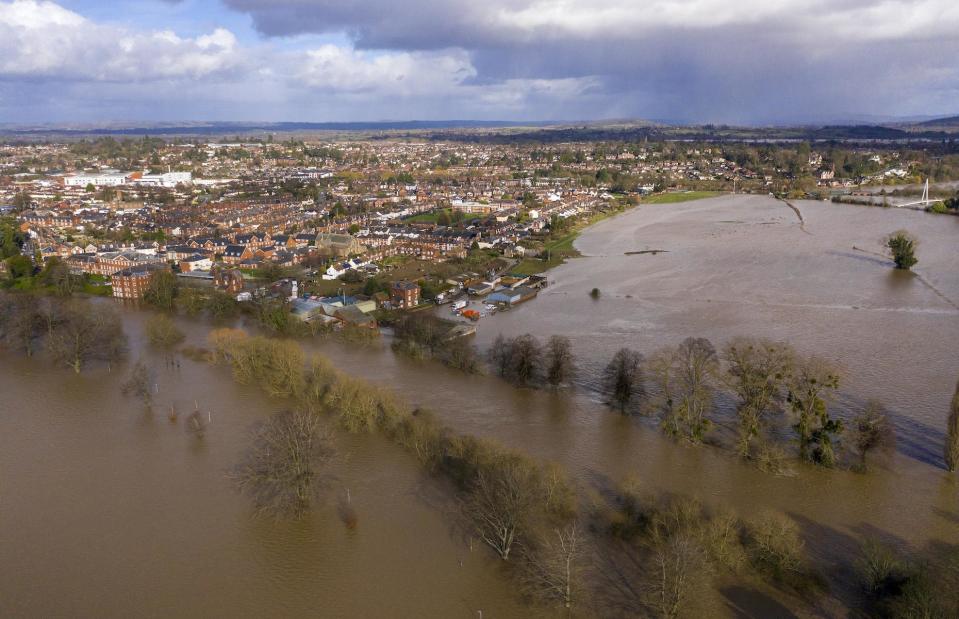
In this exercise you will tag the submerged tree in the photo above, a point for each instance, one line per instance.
(139, 383)
(553, 570)
(162, 332)
(952, 434)
(756, 370)
(498, 355)
(559, 360)
(21, 322)
(82, 334)
(871, 430)
(902, 246)
(676, 563)
(623, 379)
(809, 388)
(698, 365)
(526, 359)
(501, 502)
(683, 377)
(519, 359)
(459, 354)
(280, 470)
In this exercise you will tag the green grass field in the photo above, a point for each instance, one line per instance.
(559, 250)
(430, 218)
(685, 196)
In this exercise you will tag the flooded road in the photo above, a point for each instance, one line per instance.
(107, 511)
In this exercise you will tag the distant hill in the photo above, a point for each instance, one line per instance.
(246, 128)
(858, 132)
(493, 130)
(950, 122)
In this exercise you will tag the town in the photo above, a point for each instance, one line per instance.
(345, 229)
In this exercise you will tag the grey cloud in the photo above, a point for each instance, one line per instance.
(746, 61)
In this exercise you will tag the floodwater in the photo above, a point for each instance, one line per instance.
(108, 511)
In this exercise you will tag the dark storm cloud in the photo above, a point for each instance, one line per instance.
(684, 59)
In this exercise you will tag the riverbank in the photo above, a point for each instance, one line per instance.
(562, 249)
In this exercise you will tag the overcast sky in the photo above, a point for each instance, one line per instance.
(732, 61)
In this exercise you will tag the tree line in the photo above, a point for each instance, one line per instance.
(71, 331)
(773, 388)
(424, 336)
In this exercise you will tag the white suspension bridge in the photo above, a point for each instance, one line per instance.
(922, 203)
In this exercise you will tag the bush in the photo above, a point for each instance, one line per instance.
(361, 407)
(276, 366)
(902, 246)
(776, 550)
(162, 332)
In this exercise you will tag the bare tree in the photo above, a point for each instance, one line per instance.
(698, 366)
(952, 434)
(662, 367)
(57, 274)
(559, 360)
(756, 370)
(518, 359)
(500, 503)
(623, 379)
(525, 359)
(21, 323)
(459, 354)
(139, 383)
(553, 571)
(677, 563)
(279, 471)
(871, 430)
(684, 378)
(85, 335)
(499, 354)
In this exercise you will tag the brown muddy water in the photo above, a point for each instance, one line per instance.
(108, 511)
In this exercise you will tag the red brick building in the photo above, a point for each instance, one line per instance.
(404, 295)
(132, 283)
(228, 280)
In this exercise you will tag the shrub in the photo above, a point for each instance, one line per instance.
(902, 246)
(776, 550)
(162, 332)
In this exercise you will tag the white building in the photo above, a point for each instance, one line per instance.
(167, 179)
(97, 179)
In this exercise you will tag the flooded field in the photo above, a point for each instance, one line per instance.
(108, 511)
